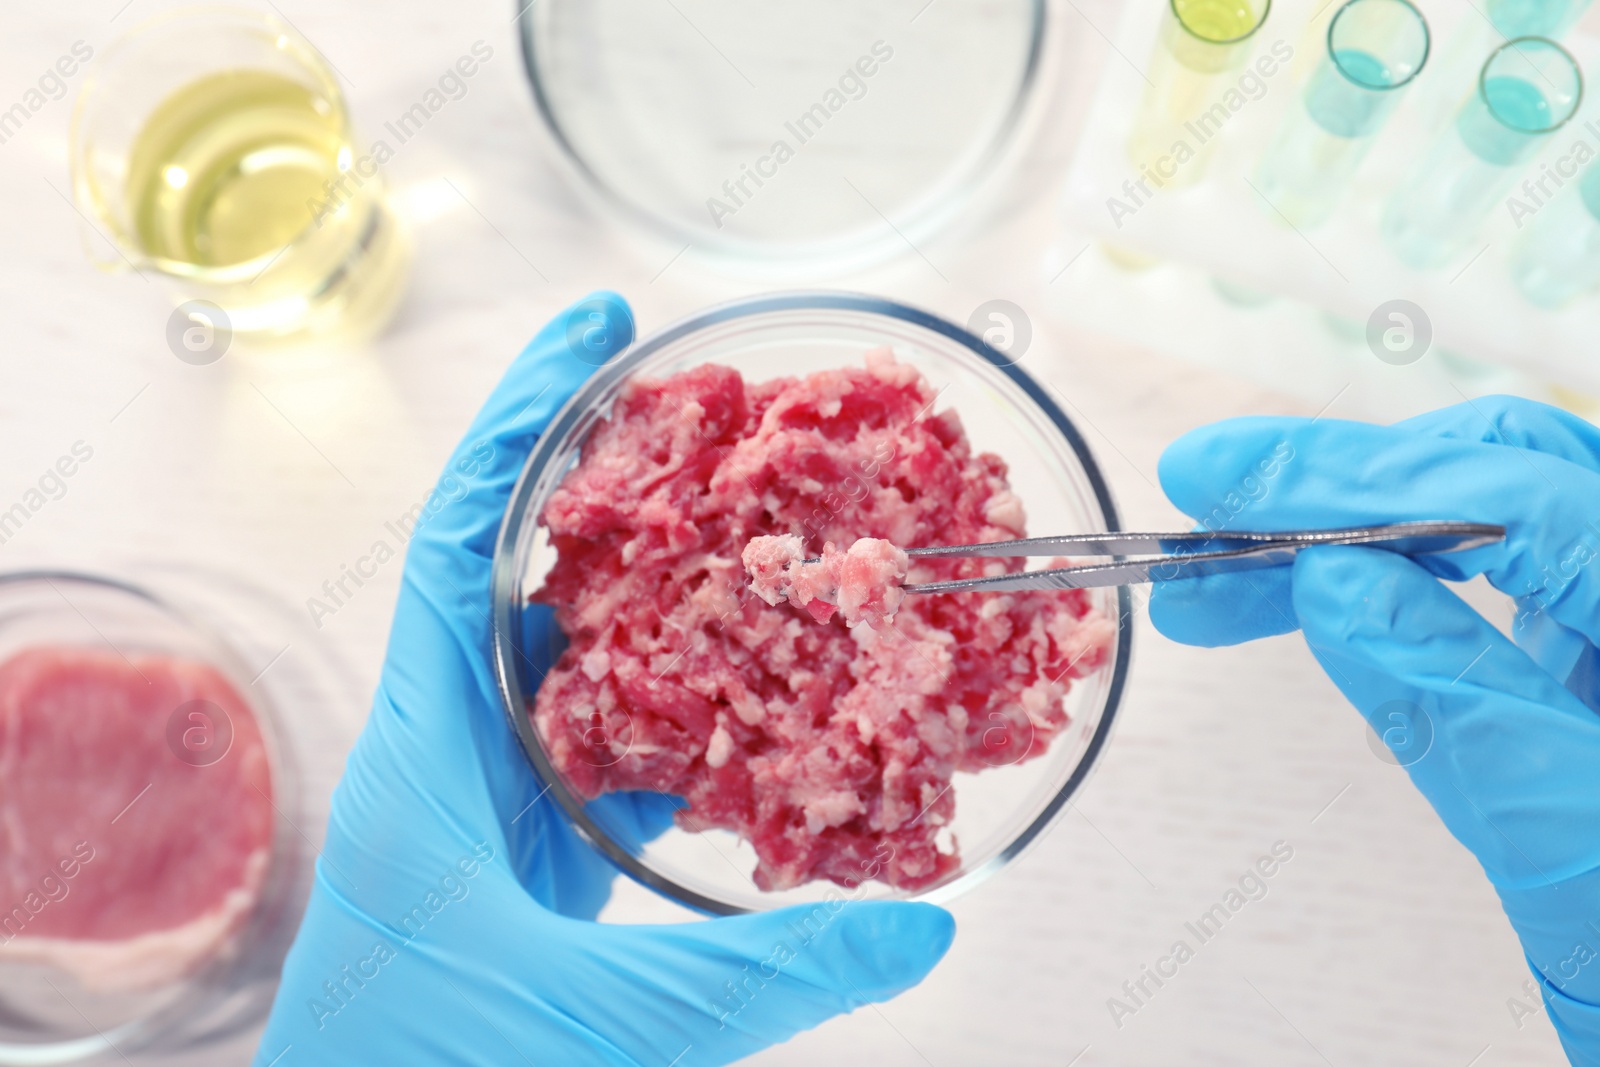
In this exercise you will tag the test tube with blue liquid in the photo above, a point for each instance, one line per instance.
(1557, 257)
(1528, 88)
(1534, 18)
(1492, 24)
(1375, 49)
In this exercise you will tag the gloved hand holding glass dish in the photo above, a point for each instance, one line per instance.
(522, 873)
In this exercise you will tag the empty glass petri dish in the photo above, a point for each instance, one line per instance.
(96, 863)
(771, 132)
(999, 812)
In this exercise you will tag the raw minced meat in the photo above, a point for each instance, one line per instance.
(830, 748)
(861, 584)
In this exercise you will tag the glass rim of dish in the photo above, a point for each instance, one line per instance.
(86, 190)
(1545, 44)
(213, 984)
(507, 591)
(938, 212)
(1422, 61)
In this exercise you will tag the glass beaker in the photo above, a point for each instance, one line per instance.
(1557, 258)
(213, 147)
(1181, 115)
(1375, 49)
(1528, 88)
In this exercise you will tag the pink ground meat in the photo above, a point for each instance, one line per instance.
(829, 747)
(862, 583)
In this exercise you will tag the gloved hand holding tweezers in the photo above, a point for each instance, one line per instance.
(1511, 754)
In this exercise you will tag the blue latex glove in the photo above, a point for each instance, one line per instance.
(451, 918)
(1507, 749)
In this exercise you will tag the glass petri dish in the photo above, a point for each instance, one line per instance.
(49, 1012)
(768, 132)
(999, 812)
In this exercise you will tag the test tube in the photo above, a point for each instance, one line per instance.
(1534, 18)
(1457, 62)
(1375, 49)
(1200, 44)
(1557, 258)
(1528, 88)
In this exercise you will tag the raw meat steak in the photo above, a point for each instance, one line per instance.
(130, 852)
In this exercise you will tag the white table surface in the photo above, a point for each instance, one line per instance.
(1380, 943)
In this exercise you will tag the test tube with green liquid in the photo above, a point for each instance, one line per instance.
(1201, 42)
(1375, 49)
(1528, 88)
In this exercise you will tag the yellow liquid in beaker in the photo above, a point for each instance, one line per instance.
(251, 170)
(224, 169)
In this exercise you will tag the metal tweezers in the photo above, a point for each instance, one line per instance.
(1190, 555)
